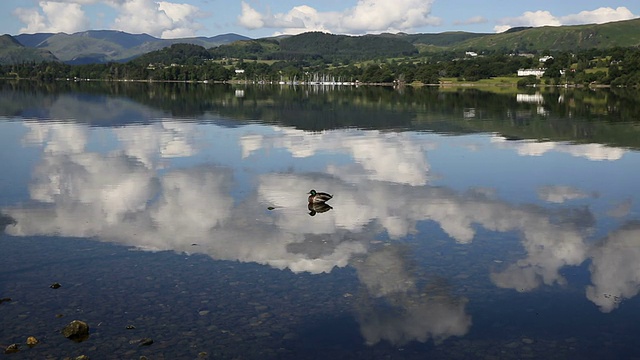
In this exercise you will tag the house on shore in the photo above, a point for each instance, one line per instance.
(529, 72)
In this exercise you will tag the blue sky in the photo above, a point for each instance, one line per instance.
(260, 18)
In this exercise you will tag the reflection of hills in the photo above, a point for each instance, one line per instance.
(605, 117)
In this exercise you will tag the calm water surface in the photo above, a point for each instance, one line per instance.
(464, 223)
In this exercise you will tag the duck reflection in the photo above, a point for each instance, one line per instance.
(318, 208)
(5, 221)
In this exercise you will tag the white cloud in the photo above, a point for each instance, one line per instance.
(598, 16)
(250, 18)
(183, 17)
(162, 19)
(545, 18)
(53, 16)
(158, 18)
(367, 16)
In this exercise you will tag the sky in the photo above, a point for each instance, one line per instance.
(260, 18)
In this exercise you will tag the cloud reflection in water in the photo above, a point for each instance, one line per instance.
(128, 195)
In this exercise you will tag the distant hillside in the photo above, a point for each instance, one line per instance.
(312, 45)
(559, 38)
(175, 54)
(247, 49)
(444, 39)
(354, 47)
(12, 52)
(522, 39)
(99, 46)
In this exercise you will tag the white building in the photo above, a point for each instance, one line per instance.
(528, 72)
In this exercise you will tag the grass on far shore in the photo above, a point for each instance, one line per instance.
(495, 81)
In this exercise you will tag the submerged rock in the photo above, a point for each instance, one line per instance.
(13, 348)
(142, 342)
(76, 330)
(6, 299)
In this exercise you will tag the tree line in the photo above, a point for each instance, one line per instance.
(185, 62)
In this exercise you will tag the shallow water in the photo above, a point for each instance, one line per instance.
(464, 223)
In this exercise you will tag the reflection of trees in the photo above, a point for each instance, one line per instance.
(568, 114)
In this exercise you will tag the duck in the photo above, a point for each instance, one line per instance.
(318, 197)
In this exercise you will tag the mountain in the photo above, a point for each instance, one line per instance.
(100, 46)
(12, 52)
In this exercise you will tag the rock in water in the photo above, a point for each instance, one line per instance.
(13, 348)
(76, 330)
(32, 341)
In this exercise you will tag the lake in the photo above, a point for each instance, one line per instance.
(173, 219)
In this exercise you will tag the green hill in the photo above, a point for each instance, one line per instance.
(312, 45)
(12, 52)
(175, 54)
(559, 38)
(354, 47)
(444, 39)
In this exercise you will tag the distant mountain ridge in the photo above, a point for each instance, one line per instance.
(100, 46)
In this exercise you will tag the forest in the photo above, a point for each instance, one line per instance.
(186, 62)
